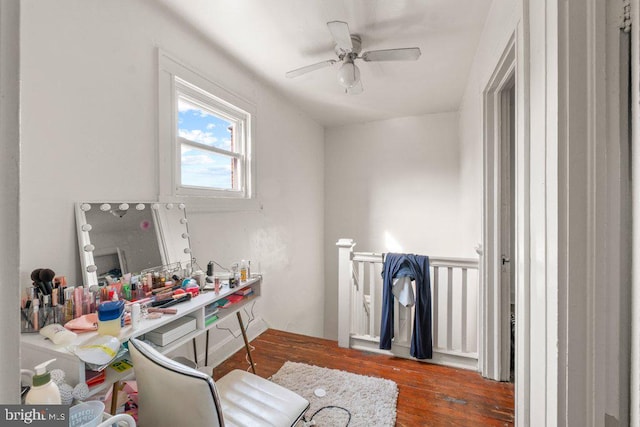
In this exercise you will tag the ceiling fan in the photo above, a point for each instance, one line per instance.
(348, 47)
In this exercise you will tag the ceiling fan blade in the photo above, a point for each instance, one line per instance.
(341, 35)
(402, 54)
(356, 89)
(300, 71)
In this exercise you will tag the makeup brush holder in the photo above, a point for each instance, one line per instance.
(46, 316)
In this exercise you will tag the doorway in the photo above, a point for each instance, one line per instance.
(497, 359)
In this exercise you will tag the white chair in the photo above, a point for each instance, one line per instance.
(172, 394)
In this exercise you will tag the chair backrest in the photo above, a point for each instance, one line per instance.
(172, 394)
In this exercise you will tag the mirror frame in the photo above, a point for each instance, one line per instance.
(166, 240)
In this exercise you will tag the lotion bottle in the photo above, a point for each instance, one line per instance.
(44, 391)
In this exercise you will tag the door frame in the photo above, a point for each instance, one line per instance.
(635, 167)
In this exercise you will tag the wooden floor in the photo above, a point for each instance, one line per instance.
(429, 395)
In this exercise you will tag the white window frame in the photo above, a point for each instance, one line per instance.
(174, 77)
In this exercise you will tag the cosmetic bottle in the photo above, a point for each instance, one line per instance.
(243, 271)
(135, 315)
(43, 391)
(126, 291)
(68, 301)
(86, 301)
(78, 299)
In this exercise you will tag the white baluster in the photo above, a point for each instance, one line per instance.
(450, 308)
(463, 312)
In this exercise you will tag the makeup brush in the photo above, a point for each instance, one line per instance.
(46, 277)
(37, 282)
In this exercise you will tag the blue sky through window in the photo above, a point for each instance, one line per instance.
(200, 167)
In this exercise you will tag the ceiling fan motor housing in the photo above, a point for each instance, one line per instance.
(357, 48)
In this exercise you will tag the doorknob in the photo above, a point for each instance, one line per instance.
(505, 260)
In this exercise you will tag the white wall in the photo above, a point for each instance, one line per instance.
(89, 131)
(393, 186)
(499, 26)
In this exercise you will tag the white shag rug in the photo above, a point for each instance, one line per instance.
(371, 401)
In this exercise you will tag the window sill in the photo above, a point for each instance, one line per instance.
(215, 204)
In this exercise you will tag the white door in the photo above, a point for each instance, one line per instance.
(506, 228)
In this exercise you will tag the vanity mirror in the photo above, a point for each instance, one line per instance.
(129, 237)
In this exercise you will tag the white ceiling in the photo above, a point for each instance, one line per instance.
(272, 37)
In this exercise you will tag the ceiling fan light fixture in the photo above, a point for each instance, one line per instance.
(348, 75)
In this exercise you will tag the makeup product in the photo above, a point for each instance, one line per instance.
(135, 315)
(45, 310)
(37, 283)
(182, 298)
(141, 291)
(126, 291)
(109, 318)
(86, 301)
(92, 300)
(199, 276)
(68, 304)
(35, 314)
(61, 299)
(162, 310)
(54, 296)
(216, 285)
(243, 271)
(58, 334)
(78, 300)
(104, 293)
(46, 277)
(31, 293)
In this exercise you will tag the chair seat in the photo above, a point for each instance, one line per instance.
(250, 400)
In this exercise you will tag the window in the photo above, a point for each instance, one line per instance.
(211, 140)
(206, 152)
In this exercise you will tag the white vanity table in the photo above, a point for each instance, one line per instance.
(36, 349)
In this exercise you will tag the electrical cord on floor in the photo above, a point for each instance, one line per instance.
(310, 422)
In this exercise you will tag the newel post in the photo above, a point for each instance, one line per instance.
(345, 274)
